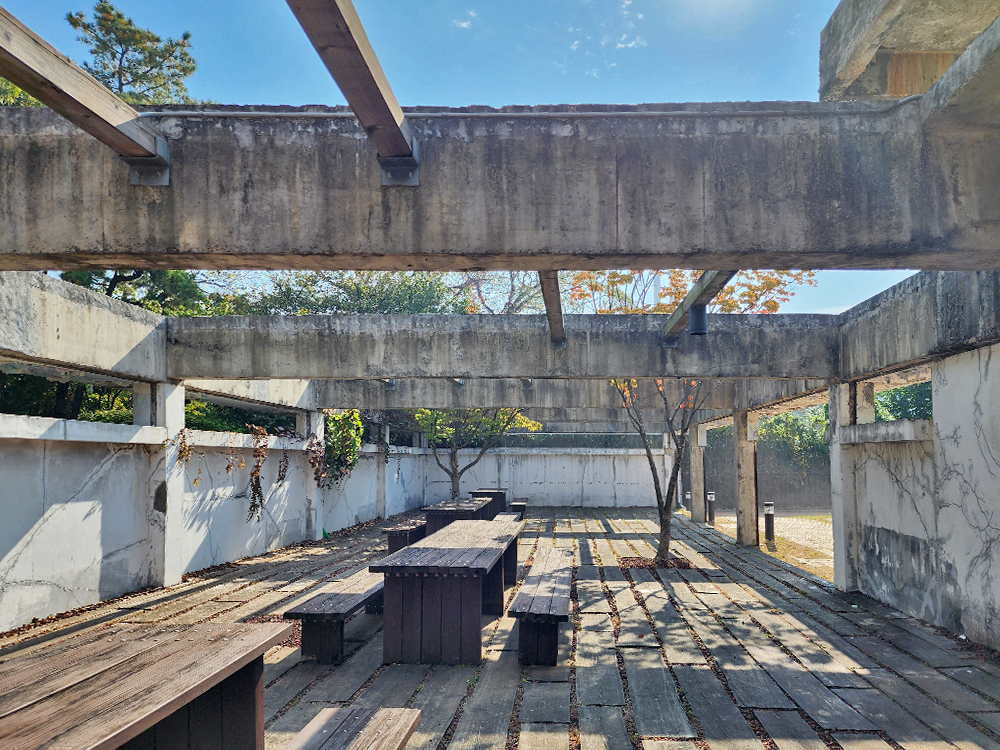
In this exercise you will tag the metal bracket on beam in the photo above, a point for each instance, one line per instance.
(390, 385)
(151, 171)
(457, 383)
(527, 384)
(401, 171)
(671, 342)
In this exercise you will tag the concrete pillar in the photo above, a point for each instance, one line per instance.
(142, 404)
(843, 497)
(311, 424)
(168, 401)
(698, 444)
(747, 532)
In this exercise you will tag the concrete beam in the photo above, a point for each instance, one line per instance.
(50, 322)
(894, 48)
(926, 317)
(897, 431)
(553, 306)
(707, 287)
(478, 346)
(436, 393)
(33, 64)
(264, 395)
(968, 95)
(336, 32)
(776, 185)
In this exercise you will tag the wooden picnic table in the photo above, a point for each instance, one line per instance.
(140, 686)
(437, 589)
(497, 494)
(463, 509)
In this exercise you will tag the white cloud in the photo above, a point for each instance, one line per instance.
(575, 44)
(637, 42)
(467, 22)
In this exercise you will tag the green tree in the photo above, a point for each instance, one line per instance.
(908, 402)
(13, 96)
(358, 293)
(163, 292)
(135, 63)
(451, 430)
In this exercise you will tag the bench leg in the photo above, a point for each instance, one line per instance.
(538, 643)
(375, 604)
(510, 564)
(493, 590)
(324, 640)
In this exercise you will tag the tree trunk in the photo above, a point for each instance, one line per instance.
(455, 474)
(666, 514)
(61, 407)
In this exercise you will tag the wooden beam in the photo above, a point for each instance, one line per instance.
(30, 62)
(705, 289)
(336, 32)
(553, 306)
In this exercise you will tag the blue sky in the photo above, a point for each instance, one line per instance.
(456, 53)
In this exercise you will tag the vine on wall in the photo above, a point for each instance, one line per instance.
(342, 443)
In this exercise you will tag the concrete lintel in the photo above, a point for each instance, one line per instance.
(897, 431)
(17, 427)
(265, 395)
(859, 29)
(832, 185)
(52, 323)
(968, 95)
(514, 346)
(926, 317)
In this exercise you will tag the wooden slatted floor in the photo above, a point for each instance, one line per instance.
(741, 652)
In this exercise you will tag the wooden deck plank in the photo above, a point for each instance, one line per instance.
(602, 728)
(545, 703)
(893, 720)
(544, 737)
(722, 724)
(438, 700)
(347, 678)
(655, 702)
(487, 714)
(789, 730)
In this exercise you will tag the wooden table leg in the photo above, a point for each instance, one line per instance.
(413, 587)
(493, 590)
(451, 619)
(243, 708)
(472, 612)
(392, 619)
(510, 564)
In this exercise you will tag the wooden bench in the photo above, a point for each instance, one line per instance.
(323, 616)
(357, 729)
(405, 533)
(541, 604)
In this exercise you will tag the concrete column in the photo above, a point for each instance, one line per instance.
(843, 497)
(311, 424)
(169, 413)
(142, 404)
(698, 444)
(747, 532)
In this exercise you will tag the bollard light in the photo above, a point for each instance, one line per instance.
(687, 501)
(769, 522)
(710, 502)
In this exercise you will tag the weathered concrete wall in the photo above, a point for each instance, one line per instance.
(76, 522)
(582, 477)
(719, 185)
(377, 487)
(215, 509)
(927, 536)
(497, 346)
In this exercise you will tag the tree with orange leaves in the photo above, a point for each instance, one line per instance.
(680, 403)
(661, 291)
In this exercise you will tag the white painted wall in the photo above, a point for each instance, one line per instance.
(74, 525)
(928, 512)
(80, 521)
